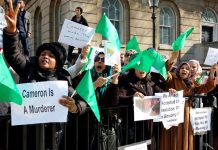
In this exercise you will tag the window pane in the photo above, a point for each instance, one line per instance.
(115, 14)
(208, 16)
(167, 25)
(112, 12)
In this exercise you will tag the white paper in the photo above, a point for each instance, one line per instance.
(200, 119)
(212, 56)
(171, 109)
(142, 146)
(40, 103)
(112, 55)
(2, 25)
(146, 108)
(75, 34)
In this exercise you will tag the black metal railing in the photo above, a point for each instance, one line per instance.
(84, 132)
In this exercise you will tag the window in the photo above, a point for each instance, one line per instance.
(55, 19)
(209, 26)
(37, 27)
(167, 25)
(114, 11)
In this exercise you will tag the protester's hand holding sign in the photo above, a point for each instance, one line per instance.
(85, 51)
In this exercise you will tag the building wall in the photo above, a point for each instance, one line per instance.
(138, 18)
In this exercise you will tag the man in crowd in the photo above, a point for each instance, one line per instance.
(24, 26)
(78, 18)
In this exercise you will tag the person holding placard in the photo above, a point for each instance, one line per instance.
(78, 18)
(122, 91)
(181, 81)
(47, 65)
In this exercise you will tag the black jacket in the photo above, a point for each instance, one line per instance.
(28, 69)
(82, 21)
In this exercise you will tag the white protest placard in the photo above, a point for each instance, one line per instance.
(75, 34)
(112, 54)
(171, 109)
(146, 108)
(212, 56)
(40, 103)
(2, 25)
(94, 52)
(200, 119)
(135, 146)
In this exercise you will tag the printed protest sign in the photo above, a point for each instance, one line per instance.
(146, 108)
(200, 119)
(171, 109)
(212, 56)
(75, 34)
(2, 25)
(112, 54)
(40, 103)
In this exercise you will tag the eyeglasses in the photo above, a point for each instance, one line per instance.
(97, 59)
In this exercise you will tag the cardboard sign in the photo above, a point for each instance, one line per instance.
(40, 103)
(75, 34)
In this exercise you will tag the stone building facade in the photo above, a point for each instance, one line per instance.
(133, 17)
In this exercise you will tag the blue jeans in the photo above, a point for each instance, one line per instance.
(24, 42)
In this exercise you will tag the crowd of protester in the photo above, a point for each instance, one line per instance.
(48, 65)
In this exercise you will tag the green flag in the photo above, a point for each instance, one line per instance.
(132, 62)
(201, 78)
(133, 44)
(86, 66)
(8, 88)
(108, 31)
(179, 43)
(86, 90)
(141, 61)
(159, 65)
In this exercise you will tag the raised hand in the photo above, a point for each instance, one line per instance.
(11, 17)
(85, 51)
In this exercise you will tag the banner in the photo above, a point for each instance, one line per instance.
(40, 103)
(75, 34)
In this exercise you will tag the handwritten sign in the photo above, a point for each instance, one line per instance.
(40, 103)
(146, 108)
(200, 119)
(75, 34)
(171, 109)
(212, 56)
(112, 54)
(2, 25)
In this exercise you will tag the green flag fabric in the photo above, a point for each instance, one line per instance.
(108, 31)
(86, 90)
(8, 88)
(144, 60)
(201, 78)
(159, 65)
(179, 43)
(86, 66)
(133, 44)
